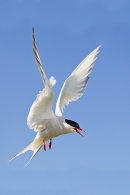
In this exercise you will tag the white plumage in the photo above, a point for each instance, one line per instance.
(41, 117)
(75, 84)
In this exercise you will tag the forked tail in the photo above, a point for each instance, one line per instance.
(34, 146)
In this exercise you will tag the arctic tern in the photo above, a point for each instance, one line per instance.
(41, 118)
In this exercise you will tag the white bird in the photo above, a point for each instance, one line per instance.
(41, 118)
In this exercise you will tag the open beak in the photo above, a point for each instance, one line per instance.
(78, 131)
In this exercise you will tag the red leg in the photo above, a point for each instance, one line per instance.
(44, 145)
(50, 144)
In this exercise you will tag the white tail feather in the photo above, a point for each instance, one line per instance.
(34, 146)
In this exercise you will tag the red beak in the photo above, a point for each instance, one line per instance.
(79, 131)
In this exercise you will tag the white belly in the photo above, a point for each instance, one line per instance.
(54, 128)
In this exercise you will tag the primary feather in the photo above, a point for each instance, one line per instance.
(75, 84)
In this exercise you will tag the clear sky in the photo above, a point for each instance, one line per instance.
(66, 32)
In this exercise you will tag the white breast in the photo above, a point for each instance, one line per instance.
(55, 127)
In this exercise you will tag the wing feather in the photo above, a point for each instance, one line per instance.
(41, 109)
(75, 85)
(38, 61)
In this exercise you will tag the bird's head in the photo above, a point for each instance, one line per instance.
(75, 126)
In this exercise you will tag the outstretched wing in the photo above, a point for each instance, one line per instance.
(74, 86)
(41, 109)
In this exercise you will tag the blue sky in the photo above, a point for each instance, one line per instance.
(66, 32)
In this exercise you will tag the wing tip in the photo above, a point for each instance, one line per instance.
(33, 29)
(98, 48)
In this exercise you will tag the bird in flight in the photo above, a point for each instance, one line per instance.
(41, 117)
